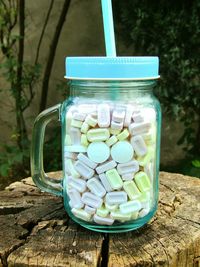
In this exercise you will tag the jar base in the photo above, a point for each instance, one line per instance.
(117, 228)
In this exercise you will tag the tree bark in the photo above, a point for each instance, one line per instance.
(51, 55)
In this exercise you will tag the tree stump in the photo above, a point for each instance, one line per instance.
(36, 231)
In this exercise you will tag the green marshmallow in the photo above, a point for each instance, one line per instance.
(131, 190)
(114, 179)
(102, 212)
(142, 181)
(117, 215)
(146, 159)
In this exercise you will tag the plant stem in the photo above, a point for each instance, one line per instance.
(21, 127)
(197, 143)
(51, 55)
(43, 31)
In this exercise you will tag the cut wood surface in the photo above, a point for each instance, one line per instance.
(36, 231)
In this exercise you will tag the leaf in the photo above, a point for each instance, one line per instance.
(196, 163)
(4, 169)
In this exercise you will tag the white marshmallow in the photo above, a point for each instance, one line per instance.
(139, 128)
(75, 199)
(101, 220)
(89, 210)
(96, 187)
(139, 145)
(117, 197)
(78, 184)
(103, 115)
(118, 115)
(106, 166)
(105, 182)
(129, 167)
(87, 161)
(84, 170)
(130, 206)
(91, 200)
(75, 135)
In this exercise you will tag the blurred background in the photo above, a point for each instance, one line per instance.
(35, 38)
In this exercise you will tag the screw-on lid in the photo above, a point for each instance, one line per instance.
(113, 68)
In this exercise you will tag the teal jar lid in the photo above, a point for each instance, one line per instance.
(112, 68)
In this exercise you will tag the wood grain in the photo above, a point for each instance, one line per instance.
(36, 231)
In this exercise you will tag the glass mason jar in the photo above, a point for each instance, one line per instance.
(111, 126)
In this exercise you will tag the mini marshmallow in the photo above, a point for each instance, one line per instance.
(69, 155)
(137, 117)
(98, 135)
(117, 215)
(75, 199)
(145, 199)
(117, 197)
(85, 171)
(91, 121)
(105, 182)
(87, 161)
(112, 140)
(128, 116)
(139, 145)
(147, 158)
(76, 148)
(91, 200)
(139, 128)
(75, 136)
(111, 207)
(130, 206)
(70, 167)
(127, 176)
(118, 115)
(103, 221)
(94, 115)
(131, 190)
(142, 181)
(103, 115)
(116, 125)
(90, 210)
(76, 124)
(96, 187)
(79, 116)
(129, 167)
(81, 214)
(114, 131)
(85, 127)
(123, 135)
(106, 166)
(114, 179)
(78, 184)
(84, 141)
(102, 212)
(87, 108)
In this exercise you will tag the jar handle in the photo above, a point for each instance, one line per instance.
(40, 178)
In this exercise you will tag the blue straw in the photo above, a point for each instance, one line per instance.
(108, 28)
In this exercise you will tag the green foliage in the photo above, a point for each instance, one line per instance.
(196, 163)
(20, 77)
(11, 161)
(171, 30)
